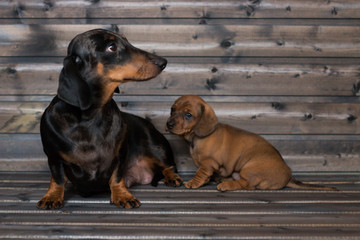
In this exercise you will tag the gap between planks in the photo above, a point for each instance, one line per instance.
(207, 190)
(174, 212)
(251, 225)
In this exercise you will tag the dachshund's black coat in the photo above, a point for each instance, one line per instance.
(85, 136)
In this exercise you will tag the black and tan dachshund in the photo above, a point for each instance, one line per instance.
(85, 136)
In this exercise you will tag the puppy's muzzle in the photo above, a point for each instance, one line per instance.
(170, 125)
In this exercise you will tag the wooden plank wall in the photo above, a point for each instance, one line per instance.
(288, 70)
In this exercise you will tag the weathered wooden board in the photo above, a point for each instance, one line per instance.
(182, 195)
(262, 118)
(24, 9)
(194, 40)
(225, 67)
(184, 21)
(199, 76)
(312, 153)
(179, 231)
(179, 213)
(288, 70)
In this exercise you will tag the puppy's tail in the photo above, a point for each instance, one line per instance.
(293, 183)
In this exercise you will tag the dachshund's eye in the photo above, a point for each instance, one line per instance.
(111, 48)
(78, 60)
(172, 110)
(188, 116)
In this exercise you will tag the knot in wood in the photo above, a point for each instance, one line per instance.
(9, 70)
(226, 44)
(48, 5)
(351, 118)
(356, 88)
(276, 105)
(308, 116)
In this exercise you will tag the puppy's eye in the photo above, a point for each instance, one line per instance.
(111, 48)
(188, 116)
(172, 110)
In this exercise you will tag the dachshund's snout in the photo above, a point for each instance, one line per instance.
(158, 61)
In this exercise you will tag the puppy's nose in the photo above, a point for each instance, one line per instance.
(170, 125)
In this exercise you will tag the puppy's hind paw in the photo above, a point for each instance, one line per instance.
(223, 187)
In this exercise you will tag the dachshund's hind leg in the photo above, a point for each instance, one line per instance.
(149, 170)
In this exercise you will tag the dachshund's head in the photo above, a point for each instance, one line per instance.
(190, 114)
(97, 62)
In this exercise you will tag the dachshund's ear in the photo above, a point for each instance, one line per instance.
(72, 87)
(207, 122)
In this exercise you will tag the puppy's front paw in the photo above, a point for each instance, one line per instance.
(193, 184)
(125, 201)
(50, 202)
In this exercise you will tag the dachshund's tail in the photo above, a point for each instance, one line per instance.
(293, 183)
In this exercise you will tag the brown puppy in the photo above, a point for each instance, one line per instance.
(228, 151)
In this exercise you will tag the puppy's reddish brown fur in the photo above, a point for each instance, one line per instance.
(242, 159)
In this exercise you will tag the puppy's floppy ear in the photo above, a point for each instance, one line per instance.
(207, 122)
(72, 87)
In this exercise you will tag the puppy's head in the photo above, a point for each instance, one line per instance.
(97, 62)
(190, 114)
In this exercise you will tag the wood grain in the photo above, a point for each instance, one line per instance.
(179, 213)
(204, 9)
(274, 68)
(195, 40)
(261, 118)
(333, 78)
(303, 153)
(288, 70)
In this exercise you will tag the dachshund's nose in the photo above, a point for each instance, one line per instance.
(159, 61)
(170, 125)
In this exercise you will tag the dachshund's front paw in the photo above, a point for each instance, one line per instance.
(173, 181)
(50, 202)
(125, 201)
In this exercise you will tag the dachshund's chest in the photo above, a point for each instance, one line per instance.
(94, 145)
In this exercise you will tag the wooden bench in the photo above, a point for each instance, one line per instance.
(287, 71)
